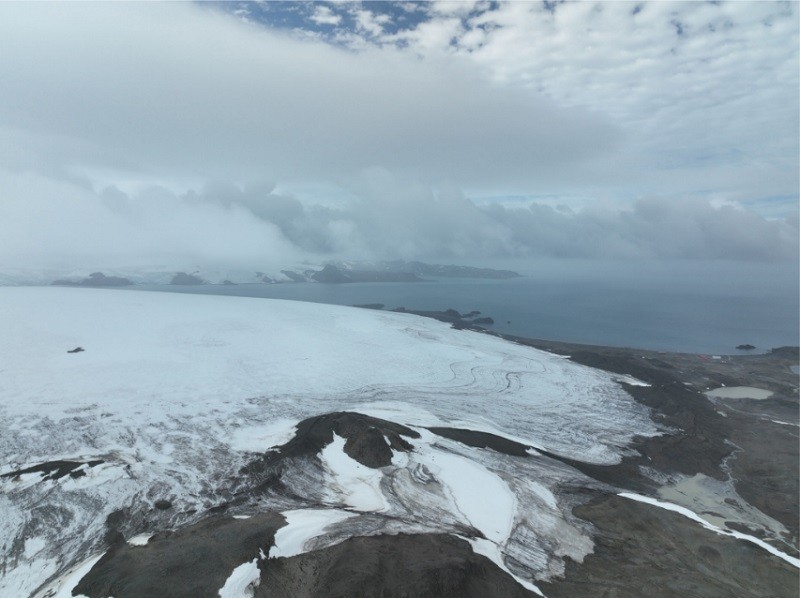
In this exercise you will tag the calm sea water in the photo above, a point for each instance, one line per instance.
(688, 307)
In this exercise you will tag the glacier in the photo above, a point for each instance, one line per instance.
(175, 395)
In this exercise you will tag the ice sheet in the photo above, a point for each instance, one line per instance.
(173, 391)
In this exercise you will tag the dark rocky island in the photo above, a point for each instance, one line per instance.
(182, 278)
(294, 276)
(393, 271)
(331, 274)
(422, 269)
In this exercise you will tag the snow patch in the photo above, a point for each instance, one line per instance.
(626, 379)
(301, 526)
(140, 540)
(492, 552)
(242, 581)
(482, 497)
(258, 439)
(695, 517)
(359, 486)
(64, 585)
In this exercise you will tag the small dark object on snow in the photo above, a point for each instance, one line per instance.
(747, 347)
(162, 505)
(76, 350)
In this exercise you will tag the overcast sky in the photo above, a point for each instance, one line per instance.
(247, 134)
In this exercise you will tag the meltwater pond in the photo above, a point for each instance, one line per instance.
(667, 306)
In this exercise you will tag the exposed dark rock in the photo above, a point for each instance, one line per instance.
(616, 475)
(786, 352)
(181, 278)
(451, 316)
(365, 441)
(330, 275)
(643, 550)
(405, 565)
(294, 276)
(162, 505)
(483, 440)
(698, 438)
(54, 470)
(193, 562)
(76, 350)
(114, 523)
(746, 347)
(365, 437)
(698, 442)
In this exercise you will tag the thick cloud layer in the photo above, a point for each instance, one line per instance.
(66, 226)
(665, 119)
(179, 91)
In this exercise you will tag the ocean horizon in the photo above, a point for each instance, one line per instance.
(691, 308)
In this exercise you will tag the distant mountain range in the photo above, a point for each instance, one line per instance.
(335, 272)
(421, 269)
(96, 279)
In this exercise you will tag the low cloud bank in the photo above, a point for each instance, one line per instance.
(60, 224)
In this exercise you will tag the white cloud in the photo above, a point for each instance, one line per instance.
(706, 93)
(369, 22)
(713, 107)
(64, 226)
(323, 15)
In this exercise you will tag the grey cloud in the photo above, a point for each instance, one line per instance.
(392, 218)
(653, 228)
(179, 91)
(146, 102)
(57, 224)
